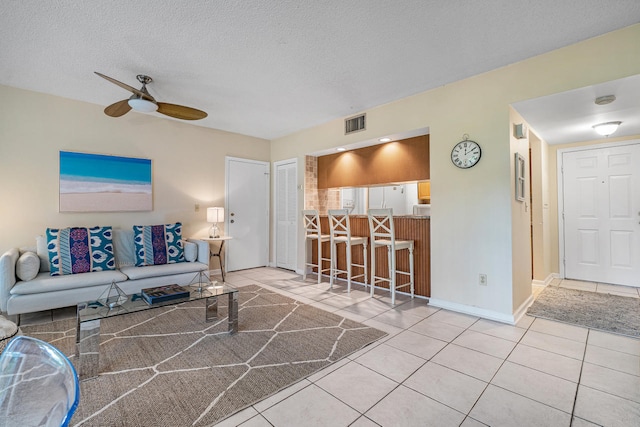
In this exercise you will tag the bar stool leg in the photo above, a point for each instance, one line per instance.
(306, 259)
(412, 277)
(391, 262)
(348, 248)
(364, 254)
(319, 259)
(373, 267)
(333, 264)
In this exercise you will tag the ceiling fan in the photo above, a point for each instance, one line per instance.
(142, 101)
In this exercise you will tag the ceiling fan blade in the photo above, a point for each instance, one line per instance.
(118, 109)
(126, 86)
(180, 111)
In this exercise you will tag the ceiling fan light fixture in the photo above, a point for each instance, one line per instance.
(142, 105)
(142, 101)
(606, 129)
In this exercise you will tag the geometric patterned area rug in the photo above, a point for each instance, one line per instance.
(168, 367)
(605, 312)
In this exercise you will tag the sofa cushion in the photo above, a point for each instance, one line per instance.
(135, 273)
(43, 253)
(158, 244)
(28, 266)
(190, 251)
(44, 282)
(124, 248)
(80, 250)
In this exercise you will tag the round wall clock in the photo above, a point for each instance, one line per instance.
(466, 154)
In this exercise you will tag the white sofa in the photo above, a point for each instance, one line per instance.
(45, 292)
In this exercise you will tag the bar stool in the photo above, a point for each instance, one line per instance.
(383, 234)
(312, 232)
(341, 233)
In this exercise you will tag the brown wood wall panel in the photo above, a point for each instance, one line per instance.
(407, 228)
(394, 162)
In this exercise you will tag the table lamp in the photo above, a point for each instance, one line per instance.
(215, 215)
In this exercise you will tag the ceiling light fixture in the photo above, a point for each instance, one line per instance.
(385, 140)
(341, 149)
(142, 105)
(604, 100)
(606, 129)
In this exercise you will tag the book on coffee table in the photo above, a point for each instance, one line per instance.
(163, 293)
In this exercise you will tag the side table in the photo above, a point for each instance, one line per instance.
(8, 330)
(218, 254)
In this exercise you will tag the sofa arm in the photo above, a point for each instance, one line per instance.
(203, 250)
(7, 275)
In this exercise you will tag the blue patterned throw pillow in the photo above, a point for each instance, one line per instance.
(80, 250)
(158, 244)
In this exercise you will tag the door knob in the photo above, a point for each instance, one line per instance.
(232, 221)
(232, 214)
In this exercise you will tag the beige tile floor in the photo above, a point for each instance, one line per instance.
(441, 368)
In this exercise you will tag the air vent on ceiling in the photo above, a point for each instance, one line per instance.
(354, 124)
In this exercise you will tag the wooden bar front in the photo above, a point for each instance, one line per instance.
(406, 228)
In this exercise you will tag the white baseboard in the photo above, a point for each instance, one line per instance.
(522, 309)
(474, 311)
(490, 314)
(546, 281)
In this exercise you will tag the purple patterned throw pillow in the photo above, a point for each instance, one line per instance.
(80, 250)
(158, 244)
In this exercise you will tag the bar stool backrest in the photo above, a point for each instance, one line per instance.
(311, 222)
(339, 223)
(381, 224)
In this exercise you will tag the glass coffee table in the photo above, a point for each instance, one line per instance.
(117, 303)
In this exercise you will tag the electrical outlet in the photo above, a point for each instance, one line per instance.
(197, 207)
(483, 279)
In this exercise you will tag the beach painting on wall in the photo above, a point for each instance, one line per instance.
(101, 183)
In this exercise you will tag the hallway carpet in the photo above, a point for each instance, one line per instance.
(606, 312)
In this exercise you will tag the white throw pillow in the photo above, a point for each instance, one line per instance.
(28, 266)
(190, 251)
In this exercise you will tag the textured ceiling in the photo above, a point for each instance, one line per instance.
(270, 68)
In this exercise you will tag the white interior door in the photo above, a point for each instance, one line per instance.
(247, 216)
(286, 213)
(601, 195)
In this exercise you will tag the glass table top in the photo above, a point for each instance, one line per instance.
(115, 302)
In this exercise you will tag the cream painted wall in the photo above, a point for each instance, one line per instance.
(540, 207)
(187, 163)
(472, 210)
(520, 219)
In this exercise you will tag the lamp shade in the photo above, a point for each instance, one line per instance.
(606, 129)
(215, 214)
(142, 105)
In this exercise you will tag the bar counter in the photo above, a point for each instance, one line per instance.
(407, 227)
